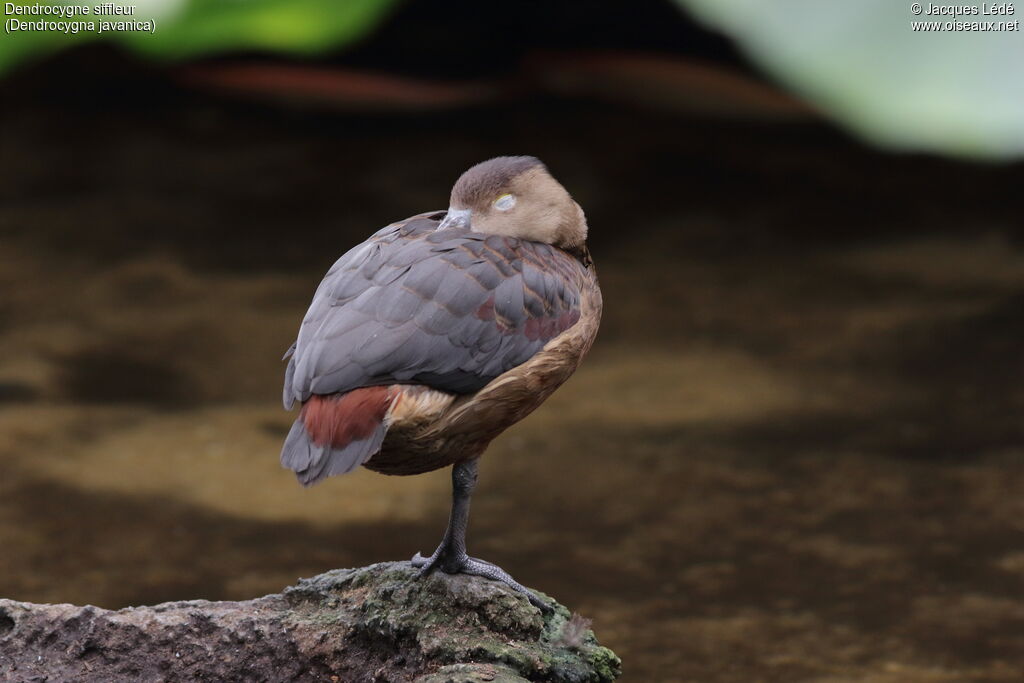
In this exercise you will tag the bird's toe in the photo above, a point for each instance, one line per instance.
(496, 573)
(451, 563)
(424, 564)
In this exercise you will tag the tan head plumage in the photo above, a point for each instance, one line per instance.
(517, 197)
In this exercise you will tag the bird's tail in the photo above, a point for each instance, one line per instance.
(337, 433)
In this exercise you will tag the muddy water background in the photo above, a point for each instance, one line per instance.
(795, 452)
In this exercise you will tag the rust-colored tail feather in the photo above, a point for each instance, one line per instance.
(337, 433)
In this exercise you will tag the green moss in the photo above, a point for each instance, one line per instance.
(459, 622)
(473, 673)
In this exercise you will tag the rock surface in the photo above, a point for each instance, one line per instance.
(377, 623)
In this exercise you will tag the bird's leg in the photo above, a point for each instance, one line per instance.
(450, 556)
(451, 553)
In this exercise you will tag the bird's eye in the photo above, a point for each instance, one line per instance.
(505, 202)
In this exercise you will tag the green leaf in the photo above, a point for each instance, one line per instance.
(861, 62)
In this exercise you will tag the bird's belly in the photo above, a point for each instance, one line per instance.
(430, 429)
(435, 429)
(414, 444)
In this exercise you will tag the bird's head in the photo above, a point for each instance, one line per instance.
(516, 197)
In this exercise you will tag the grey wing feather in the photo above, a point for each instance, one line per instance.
(451, 309)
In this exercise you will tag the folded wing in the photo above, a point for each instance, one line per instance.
(449, 309)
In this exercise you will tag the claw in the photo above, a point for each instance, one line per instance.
(424, 564)
(539, 603)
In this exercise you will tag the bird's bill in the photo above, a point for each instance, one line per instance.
(455, 218)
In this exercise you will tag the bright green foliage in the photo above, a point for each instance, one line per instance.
(189, 28)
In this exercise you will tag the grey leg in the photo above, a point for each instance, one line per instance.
(450, 557)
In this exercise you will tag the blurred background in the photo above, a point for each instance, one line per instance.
(795, 451)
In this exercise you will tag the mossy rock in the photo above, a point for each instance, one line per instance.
(466, 620)
(377, 623)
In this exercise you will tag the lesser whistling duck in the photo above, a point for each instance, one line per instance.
(425, 342)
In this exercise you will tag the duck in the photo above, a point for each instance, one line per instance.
(438, 333)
